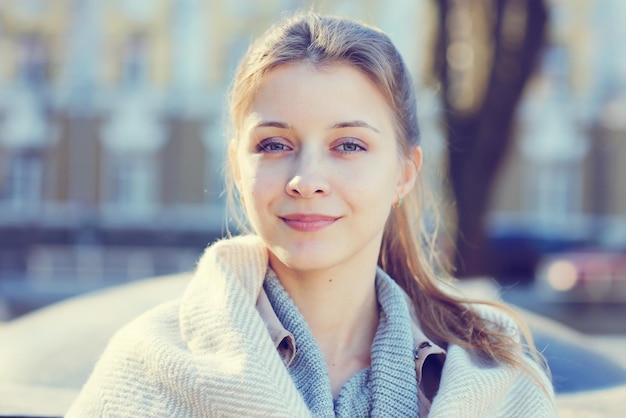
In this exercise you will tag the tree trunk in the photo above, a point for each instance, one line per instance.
(479, 135)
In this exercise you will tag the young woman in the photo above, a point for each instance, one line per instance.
(333, 304)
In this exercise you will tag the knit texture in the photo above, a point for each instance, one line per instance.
(210, 355)
(388, 388)
(394, 382)
(308, 369)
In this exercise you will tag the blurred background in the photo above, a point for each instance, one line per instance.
(112, 140)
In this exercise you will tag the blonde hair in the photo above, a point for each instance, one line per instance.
(408, 253)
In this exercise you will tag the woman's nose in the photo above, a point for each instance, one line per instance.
(309, 179)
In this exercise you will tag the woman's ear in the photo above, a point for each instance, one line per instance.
(417, 157)
(411, 166)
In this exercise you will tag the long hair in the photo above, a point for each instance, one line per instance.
(408, 252)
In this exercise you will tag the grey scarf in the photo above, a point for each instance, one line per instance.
(387, 388)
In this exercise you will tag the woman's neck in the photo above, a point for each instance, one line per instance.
(341, 310)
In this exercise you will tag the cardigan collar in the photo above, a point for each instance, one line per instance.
(429, 357)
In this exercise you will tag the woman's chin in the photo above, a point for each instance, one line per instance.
(304, 259)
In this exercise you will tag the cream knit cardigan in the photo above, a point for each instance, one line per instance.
(209, 354)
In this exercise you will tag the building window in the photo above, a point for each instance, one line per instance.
(22, 182)
(33, 60)
(132, 184)
(135, 62)
(553, 191)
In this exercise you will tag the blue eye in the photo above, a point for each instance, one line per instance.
(271, 145)
(349, 147)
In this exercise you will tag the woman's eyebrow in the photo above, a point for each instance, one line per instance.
(354, 124)
(272, 124)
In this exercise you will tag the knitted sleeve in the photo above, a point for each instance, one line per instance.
(473, 387)
(208, 354)
(142, 373)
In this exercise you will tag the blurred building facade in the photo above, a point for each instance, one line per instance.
(562, 182)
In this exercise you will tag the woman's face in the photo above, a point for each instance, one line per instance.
(318, 166)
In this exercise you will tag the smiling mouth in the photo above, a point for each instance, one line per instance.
(308, 223)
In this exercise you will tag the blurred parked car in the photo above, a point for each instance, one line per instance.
(517, 245)
(588, 275)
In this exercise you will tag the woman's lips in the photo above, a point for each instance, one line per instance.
(308, 222)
